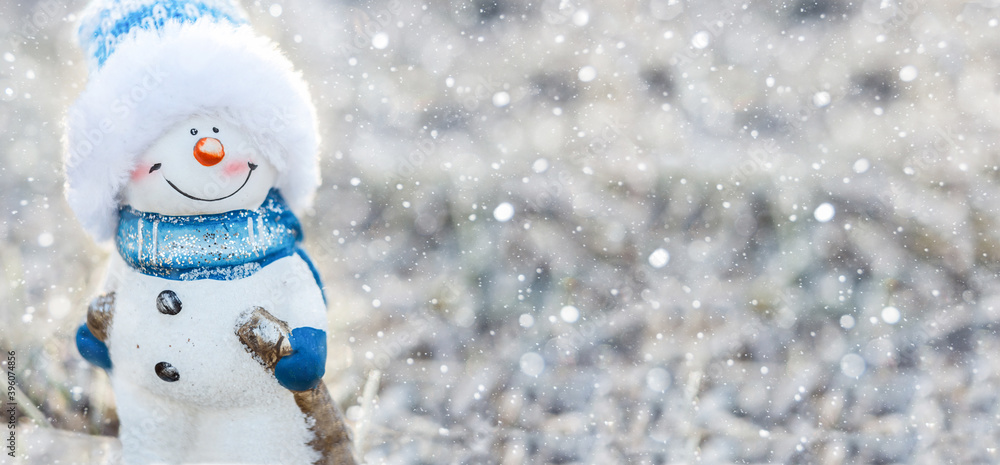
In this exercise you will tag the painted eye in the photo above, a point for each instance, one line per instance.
(194, 132)
(215, 129)
(154, 167)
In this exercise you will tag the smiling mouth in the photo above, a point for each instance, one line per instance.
(185, 194)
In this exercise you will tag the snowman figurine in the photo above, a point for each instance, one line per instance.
(190, 149)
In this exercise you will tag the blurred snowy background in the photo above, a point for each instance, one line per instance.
(596, 231)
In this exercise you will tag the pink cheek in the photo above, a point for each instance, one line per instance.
(141, 172)
(235, 167)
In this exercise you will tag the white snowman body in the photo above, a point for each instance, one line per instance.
(224, 407)
(217, 403)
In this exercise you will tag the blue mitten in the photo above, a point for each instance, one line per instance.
(303, 369)
(93, 350)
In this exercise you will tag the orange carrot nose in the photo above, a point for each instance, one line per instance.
(209, 151)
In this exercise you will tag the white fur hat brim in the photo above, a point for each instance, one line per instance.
(156, 79)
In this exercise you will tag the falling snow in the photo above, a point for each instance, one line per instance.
(503, 212)
(662, 231)
(824, 212)
(659, 258)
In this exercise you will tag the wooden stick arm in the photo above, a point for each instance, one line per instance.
(100, 314)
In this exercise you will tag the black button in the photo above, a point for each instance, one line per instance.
(168, 303)
(167, 372)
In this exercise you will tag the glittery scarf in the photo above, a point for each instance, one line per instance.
(224, 246)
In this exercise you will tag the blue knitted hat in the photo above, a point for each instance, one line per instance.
(155, 63)
(106, 23)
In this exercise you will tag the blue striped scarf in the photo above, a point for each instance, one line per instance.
(224, 246)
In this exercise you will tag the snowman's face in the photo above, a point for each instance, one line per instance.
(201, 166)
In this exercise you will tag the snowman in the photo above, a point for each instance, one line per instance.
(189, 150)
